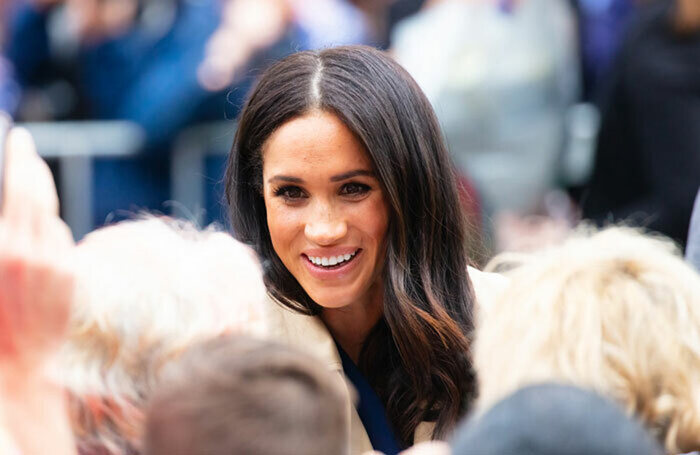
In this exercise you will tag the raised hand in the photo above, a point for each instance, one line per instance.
(36, 282)
(36, 292)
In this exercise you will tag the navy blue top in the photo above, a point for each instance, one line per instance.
(370, 409)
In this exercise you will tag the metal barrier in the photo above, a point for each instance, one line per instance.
(74, 145)
(187, 165)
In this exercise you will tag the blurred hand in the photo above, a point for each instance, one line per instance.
(7, 444)
(247, 26)
(95, 20)
(36, 282)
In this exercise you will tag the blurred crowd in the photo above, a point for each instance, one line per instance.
(553, 110)
(152, 336)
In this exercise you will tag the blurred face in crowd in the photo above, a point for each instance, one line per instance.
(100, 19)
(326, 211)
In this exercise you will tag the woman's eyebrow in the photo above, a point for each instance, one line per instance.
(285, 178)
(350, 174)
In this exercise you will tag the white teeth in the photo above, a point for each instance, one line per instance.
(331, 261)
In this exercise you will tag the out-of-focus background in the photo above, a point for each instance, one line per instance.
(553, 110)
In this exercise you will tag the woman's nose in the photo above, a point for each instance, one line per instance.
(326, 230)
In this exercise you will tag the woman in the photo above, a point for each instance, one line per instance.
(339, 178)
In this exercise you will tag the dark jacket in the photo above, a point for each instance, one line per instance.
(647, 166)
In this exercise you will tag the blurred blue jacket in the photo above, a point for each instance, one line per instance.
(147, 75)
(9, 88)
(602, 24)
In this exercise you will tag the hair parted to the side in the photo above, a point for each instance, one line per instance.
(615, 311)
(417, 358)
(246, 396)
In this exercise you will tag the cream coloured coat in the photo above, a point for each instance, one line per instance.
(310, 335)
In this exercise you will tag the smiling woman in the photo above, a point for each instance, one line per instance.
(324, 204)
(340, 180)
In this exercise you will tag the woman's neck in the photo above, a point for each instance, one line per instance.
(350, 325)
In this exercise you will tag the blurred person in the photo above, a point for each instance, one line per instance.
(9, 88)
(399, 10)
(692, 251)
(126, 58)
(553, 419)
(250, 26)
(235, 395)
(340, 180)
(131, 60)
(501, 76)
(146, 290)
(601, 27)
(614, 311)
(36, 293)
(647, 164)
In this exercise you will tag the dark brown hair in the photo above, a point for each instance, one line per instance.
(417, 357)
(241, 395)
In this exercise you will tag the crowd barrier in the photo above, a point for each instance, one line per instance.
(187, 166)
(73, 145)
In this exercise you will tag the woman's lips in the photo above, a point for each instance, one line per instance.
(329, 272)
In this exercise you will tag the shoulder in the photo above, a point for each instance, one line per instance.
(487, 286)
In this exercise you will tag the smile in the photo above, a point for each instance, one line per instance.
(332, 261)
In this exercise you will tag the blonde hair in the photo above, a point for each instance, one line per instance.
(615, 311)
(146, 291)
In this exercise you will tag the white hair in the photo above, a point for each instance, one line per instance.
(146, 291)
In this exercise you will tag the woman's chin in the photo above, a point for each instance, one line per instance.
(332, 300)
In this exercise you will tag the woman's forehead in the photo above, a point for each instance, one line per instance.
(315, 142)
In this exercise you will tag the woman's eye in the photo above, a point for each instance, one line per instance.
(354, 189)
(290, 193)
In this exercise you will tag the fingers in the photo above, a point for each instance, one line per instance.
(29, 190)
(29, 223)
(36, 290)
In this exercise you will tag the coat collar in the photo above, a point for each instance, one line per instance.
(310, 335)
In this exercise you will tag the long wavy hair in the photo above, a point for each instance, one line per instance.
(417, 356)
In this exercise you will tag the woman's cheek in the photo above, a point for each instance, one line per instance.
(284, 224)
(374, 217)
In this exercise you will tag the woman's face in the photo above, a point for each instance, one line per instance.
(326, 211)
